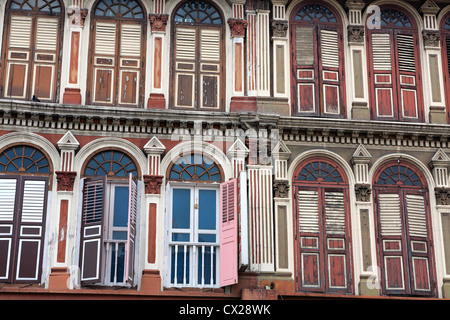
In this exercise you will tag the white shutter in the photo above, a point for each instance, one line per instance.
(308, 211)
(210, 45)
(20, 32)
(130, 40)
(329, 48)
(33, 201)
(47, 34)
(406, 56)
(381, 51)
(304, 46)
(417, 225)
(7, 199)
(105, 38)
(389, 211)
(334, 213)
(185, 43)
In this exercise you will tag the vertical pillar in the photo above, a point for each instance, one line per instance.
(434, 97)
(76, 17)
(65, 180)
(158, 22)
(358, 85)
(151, 279)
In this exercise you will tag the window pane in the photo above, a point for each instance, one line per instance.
(181, 208)
(207, 209)
(121, 206)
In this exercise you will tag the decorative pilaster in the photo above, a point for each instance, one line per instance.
(158, 23)
(76, 19)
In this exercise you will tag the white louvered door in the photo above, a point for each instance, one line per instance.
(324, 258)
(403, 241)
(117, 63)
(197, 67)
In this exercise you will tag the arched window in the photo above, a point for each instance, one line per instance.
(445, 41)
(323, 248)
(117, 62)
(24, 180)
(198, 77)
(31, 46)
(405, 252)
(318, 61)
(394, 67)
(109, 215)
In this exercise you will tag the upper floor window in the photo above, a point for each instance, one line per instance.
(117, 62)
(31, 46)
(198, 81)
(394, 68)
(318, 61)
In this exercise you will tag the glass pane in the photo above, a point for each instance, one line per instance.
(181, 205)
(121, 206)
(207, 209)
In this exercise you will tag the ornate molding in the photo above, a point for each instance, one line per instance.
(158, 22)
(77, 16)
(237, 27)
(65, 180)
(431, 38)
(363, 192)
(355, 34)
(442, 196)
(279, 28)
(281, 189)
(153, 184)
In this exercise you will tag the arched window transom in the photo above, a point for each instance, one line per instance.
(24, 159)
(113, 163)
(195, 167)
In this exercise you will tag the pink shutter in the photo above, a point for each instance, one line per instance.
(92, 229)
(131, 240)
(228, 233)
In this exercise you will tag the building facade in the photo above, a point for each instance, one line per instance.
(225, 149)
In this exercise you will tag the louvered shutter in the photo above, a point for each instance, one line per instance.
(305, 72)
(130, 62)
(310, 263)
(31, 229)
(228, 233)
(185, 66)
(93, 210)
(18, 57)
(131, 239)
(210, 68)
(104, 62)
(407, 76)
(420, 263)
(8, 192)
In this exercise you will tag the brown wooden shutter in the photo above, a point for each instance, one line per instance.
(131, 239)
(92, 220)
(8, 194)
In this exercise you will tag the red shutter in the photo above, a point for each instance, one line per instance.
(131, 241)
(92, 229)
(228, 233)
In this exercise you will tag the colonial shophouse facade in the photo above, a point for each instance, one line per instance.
(224, 149)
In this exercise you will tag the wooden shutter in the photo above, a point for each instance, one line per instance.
(131, 239)
(330, 72)
(92, 219)
(45, 58)
(130, 62)
(185, 66)
(104, 62)
(210, 68)
(228, 233)
(305, 72)
(8, 192)
(18, 57)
